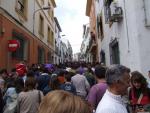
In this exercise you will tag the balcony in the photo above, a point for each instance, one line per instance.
(92, 45)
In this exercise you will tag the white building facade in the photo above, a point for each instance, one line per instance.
(126, 31)
(85, 54)
(63, 51)
(66, 50)
(57, 56)
(69, 52)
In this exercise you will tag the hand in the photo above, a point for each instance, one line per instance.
(140, 110)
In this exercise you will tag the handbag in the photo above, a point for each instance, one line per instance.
(39, 95)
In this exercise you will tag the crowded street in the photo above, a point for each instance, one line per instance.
(74, 56)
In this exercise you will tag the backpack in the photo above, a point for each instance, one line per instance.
(11, 106)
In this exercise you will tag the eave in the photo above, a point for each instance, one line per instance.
(55, 18)
(88, 7)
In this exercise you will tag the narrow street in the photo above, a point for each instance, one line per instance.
(74, 56)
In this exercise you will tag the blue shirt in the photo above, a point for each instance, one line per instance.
(68, 86)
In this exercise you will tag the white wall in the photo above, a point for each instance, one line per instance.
(99, 6)
(132, 35)
(143, 35)
(57, 41)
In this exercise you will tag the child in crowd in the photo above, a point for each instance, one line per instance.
(68, 86)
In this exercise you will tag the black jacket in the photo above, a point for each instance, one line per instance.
(1, 102)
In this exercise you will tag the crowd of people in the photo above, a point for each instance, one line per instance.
(73, 88)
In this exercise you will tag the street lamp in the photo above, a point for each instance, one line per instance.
(44, 8)
(64, 37)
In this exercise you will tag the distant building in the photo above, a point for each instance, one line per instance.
(57, 55)
(76, 57)
(67, 52)
(85, 47)
(70, 52)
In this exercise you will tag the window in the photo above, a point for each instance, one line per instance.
(49, 11)
(48, 35)
(100, 27)
(1, 26)
(114, 52)
(107, 10)
(49, 57)
(42, 2)
(102, 56)
(21, 52)
(41, 26)
(52, 14)
(41, 55)
(147, 12)
(21, 7)
(52, 38)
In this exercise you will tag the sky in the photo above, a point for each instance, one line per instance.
(71, 17)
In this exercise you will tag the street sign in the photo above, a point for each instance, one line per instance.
(13, 45)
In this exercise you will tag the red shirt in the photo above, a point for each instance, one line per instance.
(145, 99)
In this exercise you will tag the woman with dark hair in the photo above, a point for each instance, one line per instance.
(29, 99)
(53, 84)
(19, 84)
(139, 94)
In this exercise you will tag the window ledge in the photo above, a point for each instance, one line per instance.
(21, 14)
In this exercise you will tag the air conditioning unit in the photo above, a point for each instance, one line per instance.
(116, 12)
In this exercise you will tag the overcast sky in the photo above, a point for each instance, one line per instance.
(71, 17)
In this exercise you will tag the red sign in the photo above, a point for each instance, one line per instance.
(13, 45)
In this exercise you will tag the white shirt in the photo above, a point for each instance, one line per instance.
(148, 81)
(111, 103)
(81, 84)
(149, 85)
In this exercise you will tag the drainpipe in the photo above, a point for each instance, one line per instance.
(126, 25)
